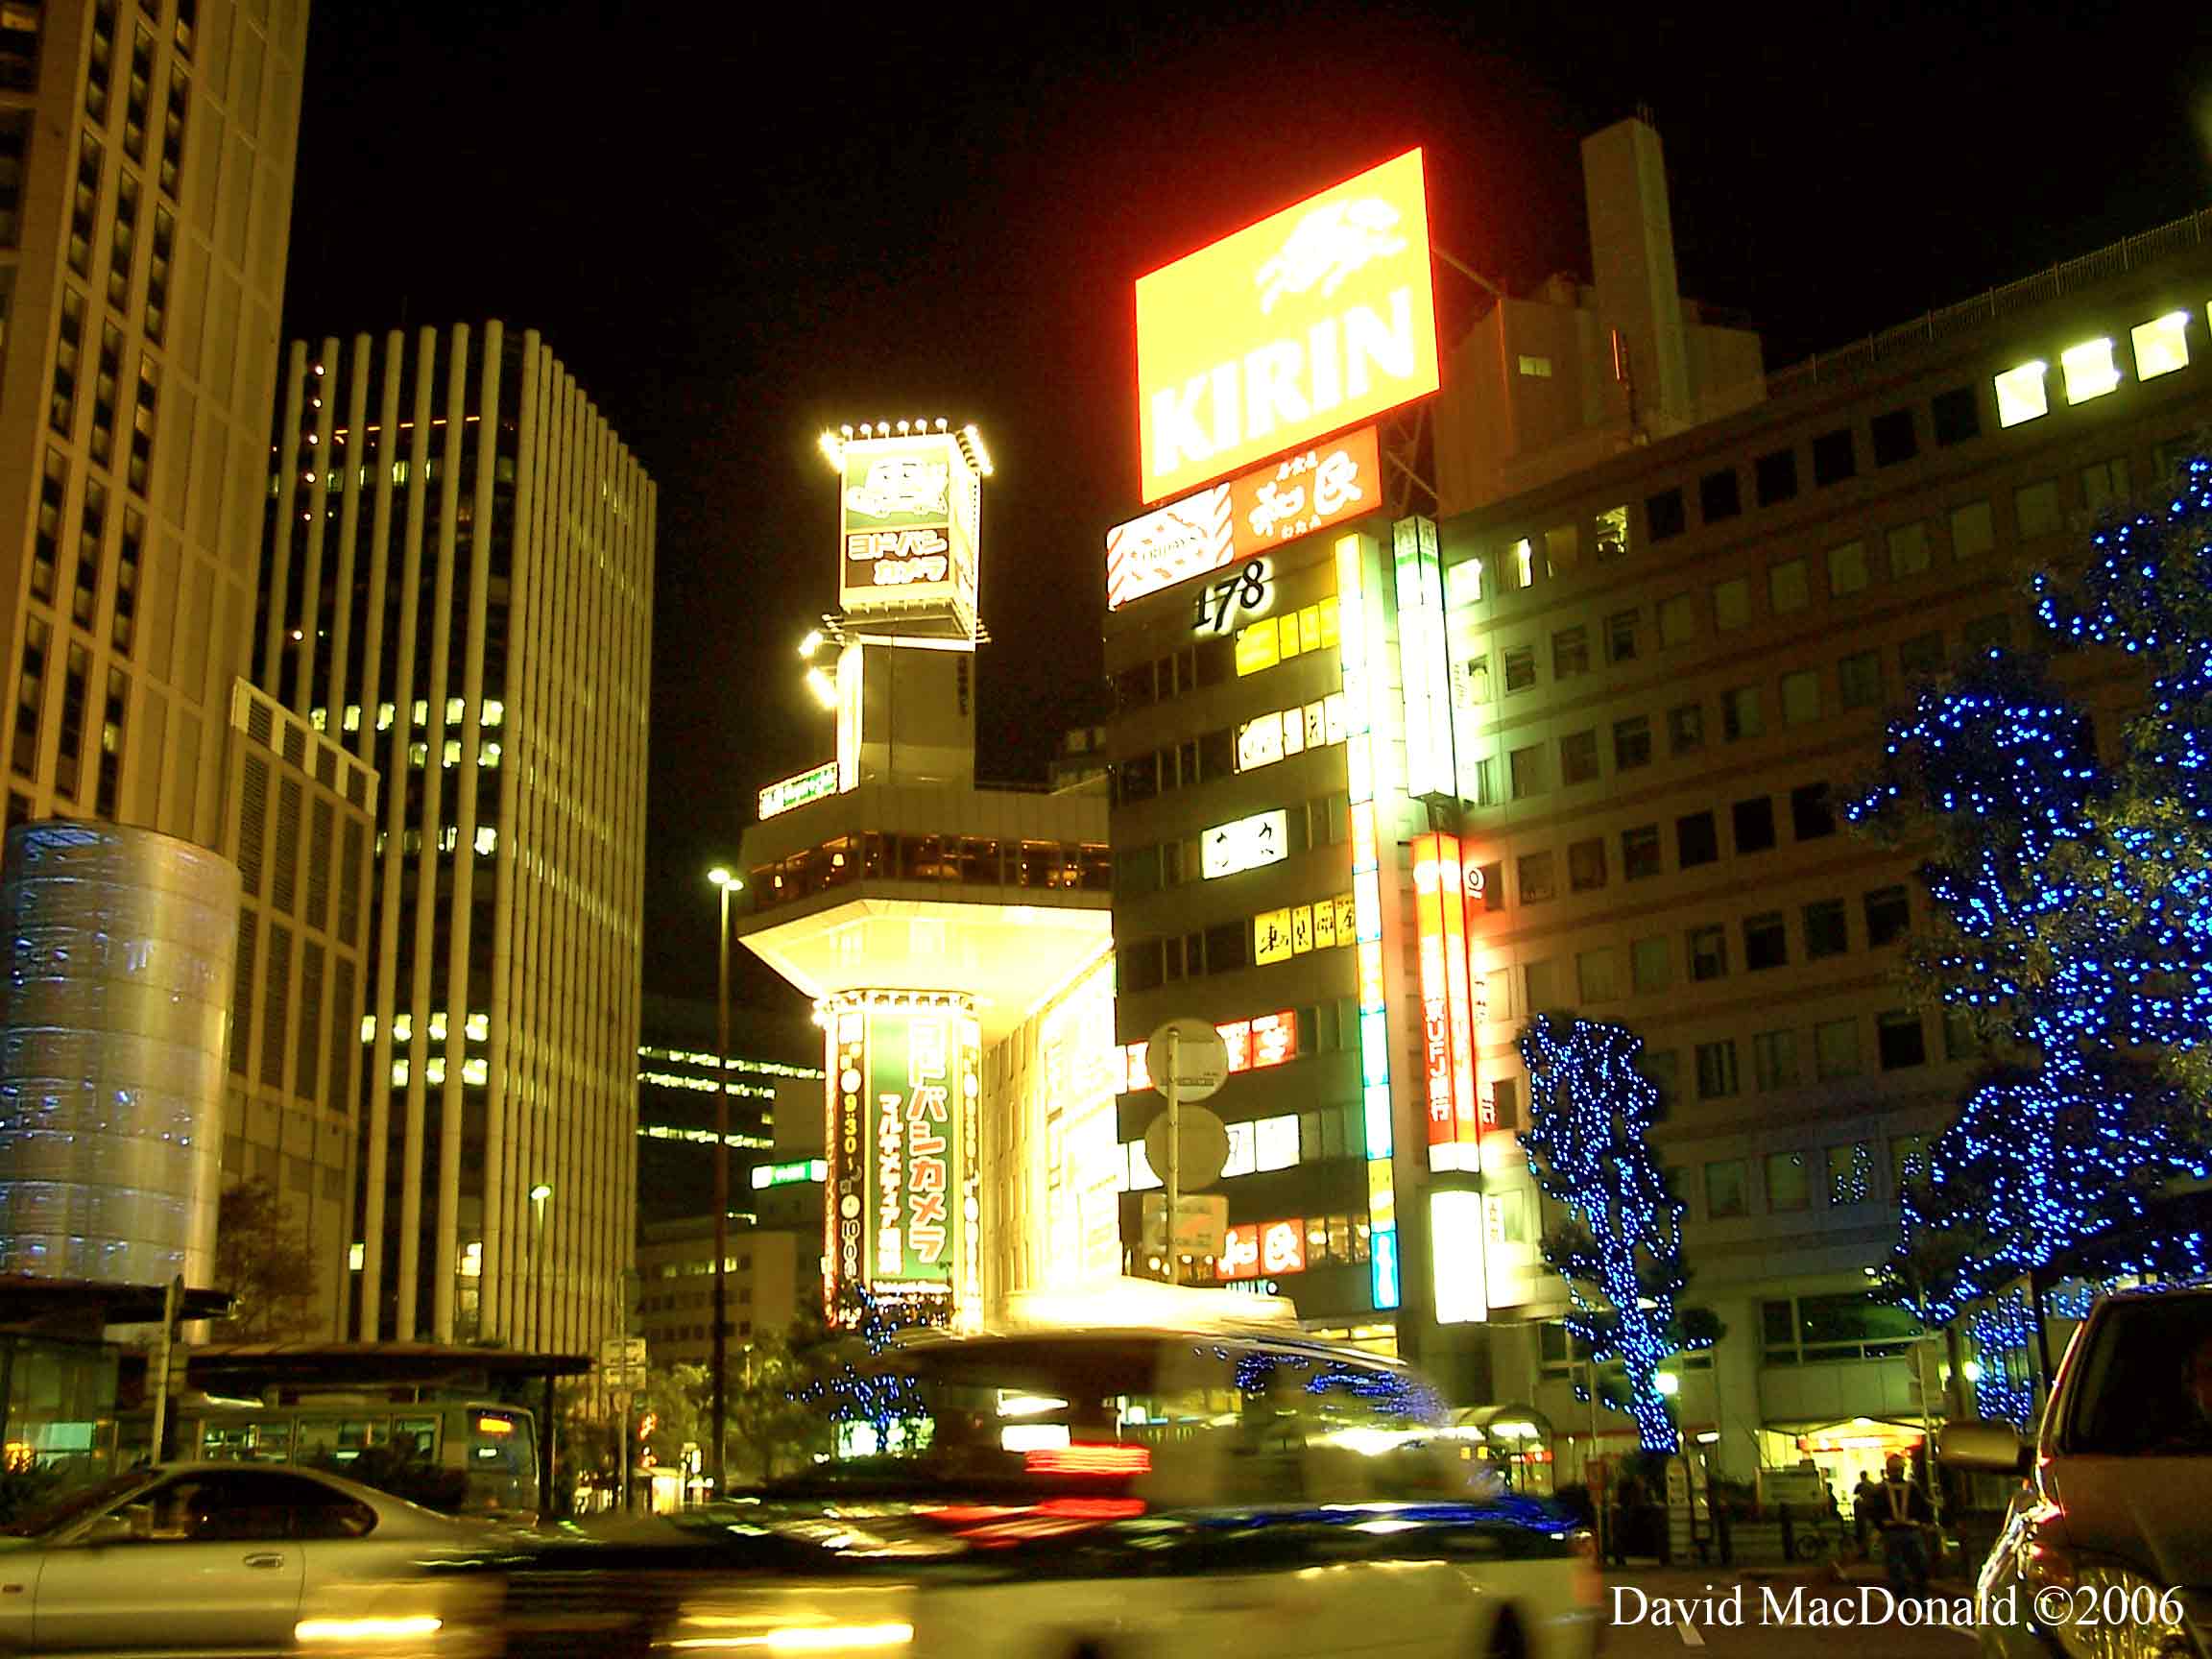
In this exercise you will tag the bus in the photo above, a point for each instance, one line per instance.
(471, 1456)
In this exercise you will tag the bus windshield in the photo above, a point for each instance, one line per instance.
(501, 1461)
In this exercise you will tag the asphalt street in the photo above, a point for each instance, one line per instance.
(1663, 1611)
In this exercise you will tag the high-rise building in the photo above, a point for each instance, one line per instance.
(679, 1075)
(146, 169)
(460, 591)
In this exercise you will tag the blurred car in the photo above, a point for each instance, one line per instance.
(2107, 1546)
(222, 1558)
(1072, 1494)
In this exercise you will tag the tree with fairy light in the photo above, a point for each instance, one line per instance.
(1619, 1249)
(2072, 924)
(847, 1383)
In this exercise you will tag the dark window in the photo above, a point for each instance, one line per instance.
(1697, 839)
(1889, 914)
(1777, 476)
(1724, 1187)
(1228, 947)
(1621, 637)
(1570, 652)
(1631, 742)
(1216, 755)
(1834, 460)
(1586, 865)
(1708, 954)
(1139, 778)
(1902, 1039)
(1719, 498)
(1825, 931)
(1579, 758)
(1955, 416)
(1520, 667)
(1860, 679)
(1755, 825)
(1812, 812)
(1664, 515)
(1139, 967)
(1766, 942)
(1988, 632)
(1686, 729)
(1640, 851)
(1893, 439)
(1922, 654)
(1494, 886)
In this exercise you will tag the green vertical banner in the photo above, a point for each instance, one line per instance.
(914, 1204)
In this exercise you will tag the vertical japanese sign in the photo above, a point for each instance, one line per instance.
(911, 1128)
(1447, 1001)
(845, 1192)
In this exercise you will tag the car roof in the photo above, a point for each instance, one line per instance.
(2165, 1288)
(355, 1489)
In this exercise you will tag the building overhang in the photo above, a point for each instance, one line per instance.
(1011, 958)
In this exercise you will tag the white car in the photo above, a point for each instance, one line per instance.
(224, 1558)
(1100, 1495)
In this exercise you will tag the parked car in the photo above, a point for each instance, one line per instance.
(226, 1559)
(2107, 1546)
(1062, 1494)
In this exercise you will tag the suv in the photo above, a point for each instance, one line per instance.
(2107, 1545)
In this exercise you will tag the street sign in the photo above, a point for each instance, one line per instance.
(1201, 1059)
(1205, 1147)
(1201, 1224)
(622, 1363)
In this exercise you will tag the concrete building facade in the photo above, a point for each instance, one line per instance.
(146, 173)
(460, 569)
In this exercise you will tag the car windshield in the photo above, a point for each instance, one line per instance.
(2146, 1389)
(1167, 1421)
(71, 1507)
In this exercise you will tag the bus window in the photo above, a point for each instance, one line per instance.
(417, 1437)
(246, 1441)
(502, 1461)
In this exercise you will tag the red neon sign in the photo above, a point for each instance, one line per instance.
(1456, 1112)
(1085, 1458)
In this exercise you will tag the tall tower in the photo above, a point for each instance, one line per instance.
(460, 591)
(939, 926)
(146, 167)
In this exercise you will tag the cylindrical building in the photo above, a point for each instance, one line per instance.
(120, 947)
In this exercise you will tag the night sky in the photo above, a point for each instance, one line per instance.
(735, 237)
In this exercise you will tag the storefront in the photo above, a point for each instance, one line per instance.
(1842, 1451)
(1515, 1440)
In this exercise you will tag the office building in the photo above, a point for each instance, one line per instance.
(459, 592)
(1587, 736)
(299, 812)
(773, 1277)
(146, 173)
(678, 1076)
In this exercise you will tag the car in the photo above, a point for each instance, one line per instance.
(1079, 1493)
(224, 1558)
(2106, 1545)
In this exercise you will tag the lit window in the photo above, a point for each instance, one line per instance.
(352, 716)
(421, 715)
(356, 1256)
(487, 841)
(402, 1027)
(2091, 369)
(452, 751)
(488, 756)
(398, 1074)
(479, 1028)
(434, 1068)
(1522, 555)
(1536, 368)
(417, 754)
(477, 1071)
(437, 1028)
(384, 713)
(456, 708)
(1463, 585)
(319, 718)
(2161, 345)
(495, 711)
(2020, 393)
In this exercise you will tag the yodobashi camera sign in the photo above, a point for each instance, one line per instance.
(907, 517)
(1303, 325)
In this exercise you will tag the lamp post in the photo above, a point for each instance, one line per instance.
(719, 1409)
(538, 1196)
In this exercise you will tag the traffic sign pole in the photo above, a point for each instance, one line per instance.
(1174, 1152)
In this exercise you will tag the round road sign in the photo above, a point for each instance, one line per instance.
(1205, 1147)
(1201, 1059)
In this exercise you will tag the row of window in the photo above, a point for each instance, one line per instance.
(1264, 1144)
(967, 859)
(1272, 936)
(1320, 822)
(1823, 930)
(1843, 1176)
(2090, 369)
(1752, 824)
(1794, 1330)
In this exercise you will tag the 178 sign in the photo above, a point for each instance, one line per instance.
(1248, 591)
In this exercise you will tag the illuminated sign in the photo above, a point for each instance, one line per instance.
(1309, 490)
(1263, 1249)
(1247, 593)
(1245, 516)
(1360, 652)
(908, 511)
(1447, 1006)
(1244, 844)
(1253, 1044)
(805, 1169)
(1280, 639)
(1304, 324)
(1456, 1239)
(797, 791)
(901, 1176)
(1278, 936)
(1424, 660)
(1273, 738)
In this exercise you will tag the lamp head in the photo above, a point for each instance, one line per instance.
(540, 1192)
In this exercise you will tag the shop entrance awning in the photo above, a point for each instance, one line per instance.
(1860, 1434)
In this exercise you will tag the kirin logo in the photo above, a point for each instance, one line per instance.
(1329, 244)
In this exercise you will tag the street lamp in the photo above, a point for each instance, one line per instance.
(538, 1196)
(726, 883)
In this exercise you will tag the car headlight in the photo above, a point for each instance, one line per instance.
(2102, 1606)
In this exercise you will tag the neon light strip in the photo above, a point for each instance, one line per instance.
(1356, 661)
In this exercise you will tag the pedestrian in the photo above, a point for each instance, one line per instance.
(1901, 1511)
(1863, 1497)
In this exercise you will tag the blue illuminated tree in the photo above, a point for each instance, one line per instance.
(2072, 912)
(1619, 1249)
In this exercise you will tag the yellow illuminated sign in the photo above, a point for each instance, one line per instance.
(1278, 936)
(1315, 318)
